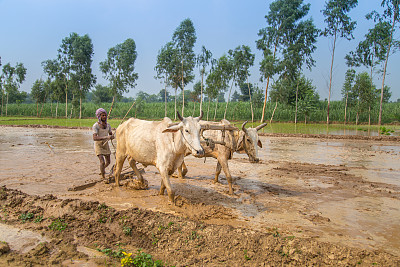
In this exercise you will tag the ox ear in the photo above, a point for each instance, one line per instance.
(172, 128)
(259, 143)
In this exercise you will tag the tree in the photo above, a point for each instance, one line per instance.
(222, 74)
(119, 68)
(57, 84)
(386, 94)
(236, 96)
(184, 39)
(65, 61)
(82, 71)
(242, 60)
(285, 29)
(246, 91)
(281, 20)
(347, 90)
(102, 94)
(339, 24)
(390, 15)
(364, 93)
(165, 96)
(163, 69)
(203, 60)
(12, 79)
(217, 81)
(38, 93)
(307, 104)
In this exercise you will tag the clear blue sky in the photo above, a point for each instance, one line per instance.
(32, 30)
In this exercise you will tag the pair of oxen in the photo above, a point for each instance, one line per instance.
(164, 145)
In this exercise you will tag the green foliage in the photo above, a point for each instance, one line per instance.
(38, 219)
(141, 259)
(127, 230)
(58, 225)
(385, 131)
(119, 67)
(102, 94)
(26, 216)
(119, 253)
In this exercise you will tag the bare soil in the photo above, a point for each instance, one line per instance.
(310, 201)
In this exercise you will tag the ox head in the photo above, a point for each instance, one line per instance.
(190, 129)
(249, 141)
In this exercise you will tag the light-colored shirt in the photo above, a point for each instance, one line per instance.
(100, 131)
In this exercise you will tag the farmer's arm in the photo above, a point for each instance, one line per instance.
(96, 137)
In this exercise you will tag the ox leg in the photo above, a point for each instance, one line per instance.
(217, 172)
(182, 170)
(119, 162)
(162, 188)
(132, 163)
(225, 167)
(165, 183)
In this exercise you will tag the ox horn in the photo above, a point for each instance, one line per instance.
(179, 116)
(259, 127)
(243, 128)
(201, 115)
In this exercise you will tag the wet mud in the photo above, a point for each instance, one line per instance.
(308, 201)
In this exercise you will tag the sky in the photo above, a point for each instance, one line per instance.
(31, 32)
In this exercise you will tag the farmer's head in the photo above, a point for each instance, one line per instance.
(101, 115)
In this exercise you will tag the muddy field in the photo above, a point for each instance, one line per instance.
(310, 201)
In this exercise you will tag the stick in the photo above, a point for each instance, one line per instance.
(127, 112)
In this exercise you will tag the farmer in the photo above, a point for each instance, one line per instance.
(101, 134)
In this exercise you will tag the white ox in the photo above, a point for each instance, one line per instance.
(154, 143)
(242, 141)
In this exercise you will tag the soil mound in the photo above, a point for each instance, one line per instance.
(71, 224)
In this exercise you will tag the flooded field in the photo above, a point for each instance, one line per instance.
(338, 191)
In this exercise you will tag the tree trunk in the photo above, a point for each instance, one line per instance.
(396, 12)
(41, 109)
(266, 88)
(165, 98)
(175, 105)
(37, 108)
(6, 104)
(72, 106)
(276, 104)
(2, 102)
(183, 94)
(57, 110)
(357, 118)
(66, 101)
(297, 95)
(229, 96)
(330, 79)
(251, 103)
(216, 106)
(208, 110)
(369, 116)
(80, 107)
(345, 108)
(201, 91)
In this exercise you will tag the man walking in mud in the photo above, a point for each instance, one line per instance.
(102, 133)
